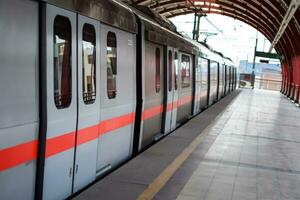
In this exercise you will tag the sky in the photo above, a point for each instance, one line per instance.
(235, 39)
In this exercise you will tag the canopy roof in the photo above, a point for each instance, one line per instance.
(264, 15)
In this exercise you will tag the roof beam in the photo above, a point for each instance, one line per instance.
(285, 22)
(263, 29)
(267, 15)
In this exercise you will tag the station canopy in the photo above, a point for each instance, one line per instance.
(278, 20)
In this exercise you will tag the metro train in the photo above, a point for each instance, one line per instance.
(87, 85)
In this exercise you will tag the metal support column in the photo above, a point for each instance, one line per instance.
(196, 30)
(195, 25)
(253, 68)
(285, 22)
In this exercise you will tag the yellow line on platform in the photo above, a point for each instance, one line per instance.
(163, 178)
(159, 182)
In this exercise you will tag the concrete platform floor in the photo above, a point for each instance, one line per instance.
(249, 148)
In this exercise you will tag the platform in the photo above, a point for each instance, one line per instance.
(247, 146)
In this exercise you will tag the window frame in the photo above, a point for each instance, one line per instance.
(89, 99)
(66, 72)
(110, 71)
(188, 85)
(157, 70)
(176, 70)
(170, 66)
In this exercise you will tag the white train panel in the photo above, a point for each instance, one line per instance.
(19, 94)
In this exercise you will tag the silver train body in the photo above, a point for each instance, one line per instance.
(87, 85)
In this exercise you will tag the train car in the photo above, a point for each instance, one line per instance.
(166, 80)
(82, 91)
(70, 114)
(210, 77)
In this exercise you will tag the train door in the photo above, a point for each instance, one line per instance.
(204, 94)
(236, 78)
(212, 83)
(117, 100)
(221, 79)
(232, 82)
(175, 90)
(169, 88)
(73, 103)
(226, 79)
(60, 60)
(88, 45)
(225, 82)
(209, 72)
(232, 79)
(218, 77)
(197, 86)
(154, 93)
(184, 109)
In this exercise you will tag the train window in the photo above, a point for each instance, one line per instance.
(111, 51)
(89, 64)
(185, 71)
(157, 70)
(62, 62)
(170, 69)
(176, 71)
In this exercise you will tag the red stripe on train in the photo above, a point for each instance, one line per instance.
(18, 154)
(151, 112)
(87, 134)
(59, 144)
(184, 100)
(116, 123)
(22, 153)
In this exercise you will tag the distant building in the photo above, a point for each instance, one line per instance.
(246, 67)
(267, 76)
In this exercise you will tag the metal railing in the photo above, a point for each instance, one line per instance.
(268, 84)
(89, 97)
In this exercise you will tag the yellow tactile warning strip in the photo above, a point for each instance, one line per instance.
(164, 177)
(159, 182)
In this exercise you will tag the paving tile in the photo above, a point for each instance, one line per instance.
(241, 192)
(257, 153)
